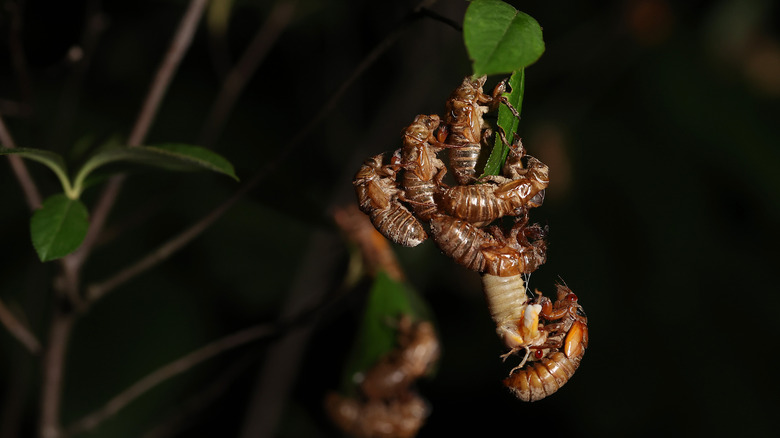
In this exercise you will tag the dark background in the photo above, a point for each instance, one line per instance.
(658, 119)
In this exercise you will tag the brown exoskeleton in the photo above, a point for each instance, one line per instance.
(378, 196)
(463, 117)
(522, 187)
(491, 252)
(418, 348)
(554, 361)
(423, 170)
(376, 418)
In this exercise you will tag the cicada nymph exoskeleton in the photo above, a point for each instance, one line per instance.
(464, 121)
(378, 196)
(522, 186)
(386, 405)
(423, 170)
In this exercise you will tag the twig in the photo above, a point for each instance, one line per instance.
(161, 253)
(31, 193)
(180, 419)
(20, 331)
(179, 45)
(172, 369)
(237, 78)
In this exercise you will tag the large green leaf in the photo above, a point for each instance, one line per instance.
(508, 122)
(180, 157)
(52, 160)
(388, 300)
(58, 227)
(499, 38)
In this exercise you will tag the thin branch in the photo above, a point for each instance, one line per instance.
(179, 45)
(237, 78)
(183, 416)
(20, 331)
(31, 193)
(161, 253)
(172, 369)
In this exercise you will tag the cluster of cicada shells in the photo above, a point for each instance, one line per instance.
(386, 405)
(405, 196)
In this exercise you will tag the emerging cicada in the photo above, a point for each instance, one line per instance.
(555, 361)
(378, 196)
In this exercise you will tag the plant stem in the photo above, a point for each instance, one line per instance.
(31, 193)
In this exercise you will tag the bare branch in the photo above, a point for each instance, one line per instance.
(20, 331)
(96, 291)
(184, 413)
(168, 371)
(31, 193)
(237, 78)
(179, 45)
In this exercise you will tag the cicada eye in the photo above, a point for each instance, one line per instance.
(571, 297)
(538, 354)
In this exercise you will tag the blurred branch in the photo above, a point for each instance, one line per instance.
(172, 369)
(183, 416)
(237, 78)
(31, 193)
(80, 56)
(20, 331)
(373, 246)
(161, 253)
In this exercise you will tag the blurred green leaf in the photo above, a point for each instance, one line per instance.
(388, 300)
(58, 227)
(50, 159)
(508, 122)
(499, 38)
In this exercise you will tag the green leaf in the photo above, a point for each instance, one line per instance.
(388, 300)
(58, 227)
(50, 159)
(508, 122)
(499, 38)
(179, 157)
